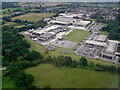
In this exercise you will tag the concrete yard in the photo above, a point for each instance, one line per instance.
(65, 44)
(89, 50)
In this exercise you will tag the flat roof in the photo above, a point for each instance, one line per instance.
(45, 35)
(77, 27)
(61, 22)
(65, 19)
(52, 27)
(82, 23)
(38, 31)
(95, 43)
(111, 47)
(101, 37)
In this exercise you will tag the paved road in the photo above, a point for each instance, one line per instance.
(2, 69)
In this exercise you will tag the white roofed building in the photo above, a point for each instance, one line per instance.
(95, 43)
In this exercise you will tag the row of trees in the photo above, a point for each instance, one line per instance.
(14, 15)
(21, 21)
(66, 61)
(111, 68)
(7, 19)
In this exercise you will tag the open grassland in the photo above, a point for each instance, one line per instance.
(33, 17)
(58, 52)
(7, 82)
(9, 23)
(77, 35)
(60, 77)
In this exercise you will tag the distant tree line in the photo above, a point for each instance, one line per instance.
(9, 5)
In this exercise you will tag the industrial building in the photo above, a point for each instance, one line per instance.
(101, 38)
(46, 36)
(97, 40)
(109, 51)
(96, 46)
(70, 20)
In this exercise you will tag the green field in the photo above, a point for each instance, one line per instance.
(77, 35)
(9, 23)
(8, 83)
(60, 77)
(33, 17)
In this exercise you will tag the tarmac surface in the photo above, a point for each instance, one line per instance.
(65, 44)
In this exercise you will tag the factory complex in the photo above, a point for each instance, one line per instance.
(93, 46)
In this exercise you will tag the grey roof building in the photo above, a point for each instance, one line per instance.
(46, 36)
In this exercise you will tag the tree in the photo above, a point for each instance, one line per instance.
(68, 61)
(19, 77)
(113, 69)
(33, 55)
(3, 22)
(83, 61)
(13, 71)
(29, 81)
(74, 64)
(8, 19)
(60, 61)
(20, 58)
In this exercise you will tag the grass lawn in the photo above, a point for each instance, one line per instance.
(33, 17)
(60, 77)
(7, 82)
(58, 52)
(77, 35)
